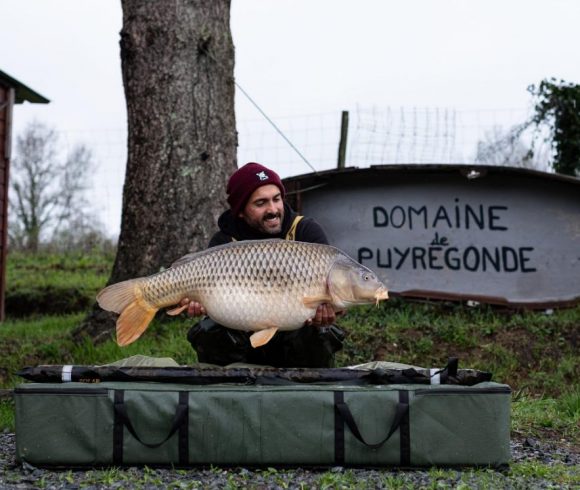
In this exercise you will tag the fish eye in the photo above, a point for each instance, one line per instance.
(366, 277)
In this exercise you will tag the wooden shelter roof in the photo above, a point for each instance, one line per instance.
(22, 92)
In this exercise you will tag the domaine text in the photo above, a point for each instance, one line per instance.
(439, 254)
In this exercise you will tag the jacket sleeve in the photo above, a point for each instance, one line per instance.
(310, 231)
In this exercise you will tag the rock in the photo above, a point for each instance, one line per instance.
(530, 442)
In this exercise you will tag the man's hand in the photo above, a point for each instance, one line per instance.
(193, 307)
(325, 315)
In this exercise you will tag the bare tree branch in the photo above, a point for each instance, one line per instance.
(47, 190)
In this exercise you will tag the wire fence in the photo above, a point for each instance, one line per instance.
(375, 136)
(379, 136)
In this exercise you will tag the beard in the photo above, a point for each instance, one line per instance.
(270, 223)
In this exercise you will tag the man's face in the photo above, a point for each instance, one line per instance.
(264, 211)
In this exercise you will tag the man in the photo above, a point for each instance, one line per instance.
(258, 211)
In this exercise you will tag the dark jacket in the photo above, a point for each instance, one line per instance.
(305, 347)
(230, 227)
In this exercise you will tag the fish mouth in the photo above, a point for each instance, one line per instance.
(381, 294)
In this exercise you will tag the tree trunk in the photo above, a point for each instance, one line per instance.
(178, 62)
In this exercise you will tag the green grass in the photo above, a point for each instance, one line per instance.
(536, 416)
(559, 474)
(54, 269)
(529, 350)
(534, 352)
(48, 340)
(48, 283)
(521, 475)
(7, 415)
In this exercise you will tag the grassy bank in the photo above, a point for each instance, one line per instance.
(49, 283)
(536, 353)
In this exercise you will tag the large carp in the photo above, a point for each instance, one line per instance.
(256, 285)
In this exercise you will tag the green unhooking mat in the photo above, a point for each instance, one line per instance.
(136, 423)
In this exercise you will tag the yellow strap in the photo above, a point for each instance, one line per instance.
(291, 235)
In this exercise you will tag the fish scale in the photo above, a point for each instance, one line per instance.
(264, 271)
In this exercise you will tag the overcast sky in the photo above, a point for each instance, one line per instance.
(296, 58)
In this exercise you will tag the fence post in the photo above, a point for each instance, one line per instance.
(343, 138)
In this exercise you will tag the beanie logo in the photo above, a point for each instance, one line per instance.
(262, 176)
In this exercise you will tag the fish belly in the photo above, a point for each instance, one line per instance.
(248, 310)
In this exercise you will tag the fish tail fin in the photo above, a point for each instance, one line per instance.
(127, 299)
(117, 297)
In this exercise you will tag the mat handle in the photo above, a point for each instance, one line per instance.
(179, 419)
(346, 414)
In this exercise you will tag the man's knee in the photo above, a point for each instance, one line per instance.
(312, 347)
(308, 347)
(216, 344)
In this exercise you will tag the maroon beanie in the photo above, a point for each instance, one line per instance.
(246, 180)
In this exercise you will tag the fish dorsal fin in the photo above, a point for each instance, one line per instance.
(315, 301)
(262, 337)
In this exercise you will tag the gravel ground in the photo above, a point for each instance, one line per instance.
(25, 476)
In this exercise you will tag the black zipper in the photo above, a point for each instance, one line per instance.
(469, 391)
(61, 391)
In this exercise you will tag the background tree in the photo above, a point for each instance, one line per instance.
(558, 106)
(47, 190)
(177, 62)
(509, 148)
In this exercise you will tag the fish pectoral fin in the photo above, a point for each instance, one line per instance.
(262, 337)
(176, 311)
(315, 301)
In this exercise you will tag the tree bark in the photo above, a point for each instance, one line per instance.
(178, 63)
